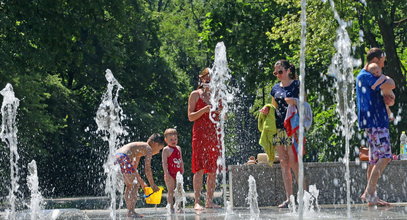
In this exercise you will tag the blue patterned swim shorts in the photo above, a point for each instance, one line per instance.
(378, 141)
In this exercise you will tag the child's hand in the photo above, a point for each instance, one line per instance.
(208, 108)
(155, 188)
(265, 110)
(290, 101)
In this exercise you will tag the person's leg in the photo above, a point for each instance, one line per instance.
(377, 171)
(379, 156)
(130, 194)
(293, 164)
(368, 173)
(170, 183)
(285, 171)
(197, 183)
(211, 184)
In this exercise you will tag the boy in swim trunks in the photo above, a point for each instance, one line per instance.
(128, 158)
(172, 163)
(383, 79)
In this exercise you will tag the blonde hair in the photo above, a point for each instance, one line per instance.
(372, 67)
(170, 131)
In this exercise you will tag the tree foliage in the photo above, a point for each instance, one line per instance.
(55, 54)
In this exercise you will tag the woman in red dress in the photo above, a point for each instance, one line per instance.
(205, 149)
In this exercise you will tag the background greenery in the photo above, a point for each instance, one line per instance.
(55, 53)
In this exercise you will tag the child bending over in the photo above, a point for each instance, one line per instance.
(128, 158)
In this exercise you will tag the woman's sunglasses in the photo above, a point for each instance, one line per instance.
(278, 72)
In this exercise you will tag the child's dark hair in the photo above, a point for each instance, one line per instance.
(286, 65)
(374, 53)
(157, 138)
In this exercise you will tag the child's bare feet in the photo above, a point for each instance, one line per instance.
(379, 203)
(391, 117)
(373, 200)
(198, 207)
(211, 205)
(134, 215)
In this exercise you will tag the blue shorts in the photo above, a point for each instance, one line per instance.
(378, 141)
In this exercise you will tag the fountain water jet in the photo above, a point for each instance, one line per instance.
(108, 119)
(220, 97)
(341, 68)
(9, 136)
(252, 198)
(36, 202)
(179, 193)
(301, 108)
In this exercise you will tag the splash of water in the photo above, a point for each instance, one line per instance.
(36, 202)
(179, 194)
(108, 119)
(301, 108)
(9, 136)
(292, 207)
(252, 199)
(341, 68)
(220, 99)
(310, 200)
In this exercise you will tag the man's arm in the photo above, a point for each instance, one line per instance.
(389, 84)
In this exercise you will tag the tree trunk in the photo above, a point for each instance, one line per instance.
(385, 19)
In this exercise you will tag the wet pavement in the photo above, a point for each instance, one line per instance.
(358, 211)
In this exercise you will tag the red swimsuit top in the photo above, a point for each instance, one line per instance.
(174, 162)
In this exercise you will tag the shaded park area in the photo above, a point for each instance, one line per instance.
(55, 55)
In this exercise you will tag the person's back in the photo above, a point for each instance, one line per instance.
(134, 149)
(370, 104)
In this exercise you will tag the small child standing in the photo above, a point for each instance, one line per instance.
(172, 163)
(383, 79)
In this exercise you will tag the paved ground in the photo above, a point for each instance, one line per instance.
(360, 212)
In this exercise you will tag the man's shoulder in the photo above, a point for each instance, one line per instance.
(363, 73)
(365, 77)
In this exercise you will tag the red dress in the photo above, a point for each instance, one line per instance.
(205, 149)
